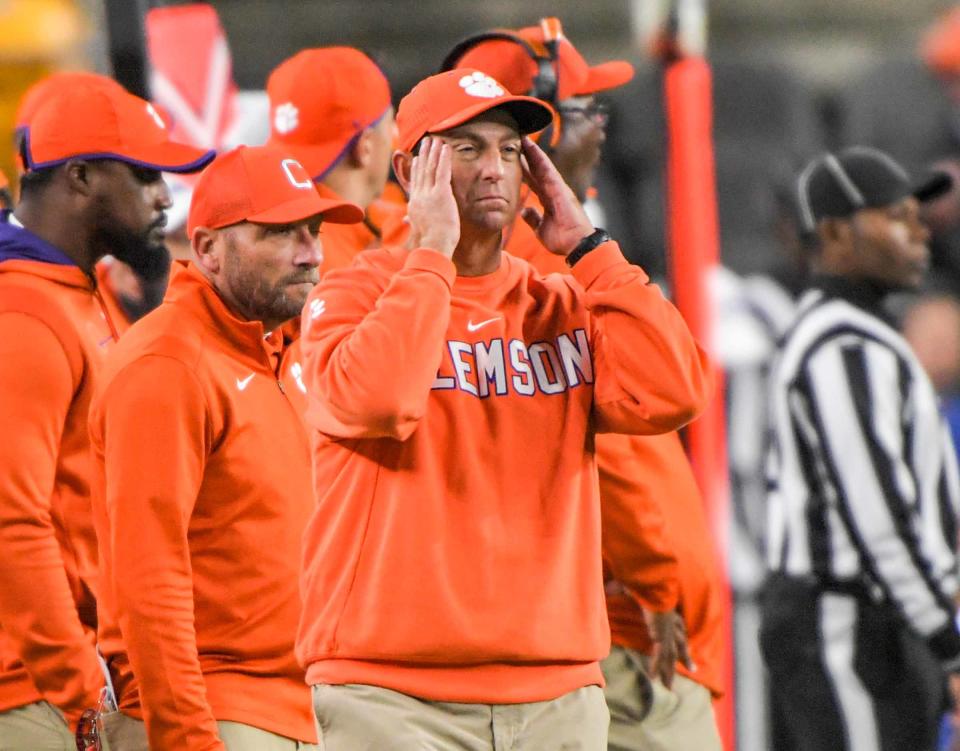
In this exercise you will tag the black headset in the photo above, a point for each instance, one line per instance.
(546, 83)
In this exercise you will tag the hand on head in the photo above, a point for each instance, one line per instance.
(432, 209)
(564, 223)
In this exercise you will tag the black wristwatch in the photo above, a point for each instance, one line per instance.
(594, 239)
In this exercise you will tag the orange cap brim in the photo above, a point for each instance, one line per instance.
(606, 76)
(335, 212)
(168, 156)
(532, 115)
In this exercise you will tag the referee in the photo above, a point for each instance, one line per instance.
(858, 614)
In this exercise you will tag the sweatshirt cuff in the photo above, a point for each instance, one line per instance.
(593, 264)
(427, 259)
(945, 644)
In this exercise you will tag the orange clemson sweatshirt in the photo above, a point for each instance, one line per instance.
(54, 335)
(454, 553)
(202, 492)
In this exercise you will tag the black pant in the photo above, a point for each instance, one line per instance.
(842, 667)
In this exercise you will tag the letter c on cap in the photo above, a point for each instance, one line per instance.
(289, 165)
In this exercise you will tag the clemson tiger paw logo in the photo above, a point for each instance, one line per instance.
(286, 117)
(480, 84)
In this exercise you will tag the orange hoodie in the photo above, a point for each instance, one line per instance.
(54, 336)
(110, 298)
(656, 469)
(202, 491)
(454, 553)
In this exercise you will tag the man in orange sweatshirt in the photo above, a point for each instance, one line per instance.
(202, 476)
(452, 569)
(92, 187)
(656, 544)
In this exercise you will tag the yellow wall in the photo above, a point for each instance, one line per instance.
(37, 37)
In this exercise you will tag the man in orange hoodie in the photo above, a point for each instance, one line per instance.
(452, 574)
(134, 286)
(202, 476)
(92, 186)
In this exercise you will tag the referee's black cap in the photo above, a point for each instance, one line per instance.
(859, 177)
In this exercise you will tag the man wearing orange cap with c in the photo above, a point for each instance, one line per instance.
(200, 554)
(330, 107)
(657, 548)
(452, 585)
(93, 186)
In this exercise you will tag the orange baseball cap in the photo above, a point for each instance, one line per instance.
(49, 86)
(261, 184)
(88, 121)
(513, 66)
(448, 99)
(321, 100)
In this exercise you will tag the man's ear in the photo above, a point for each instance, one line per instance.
(206, 253)
(78, 173)
(834, 230)
(401, 169)
(361, 152)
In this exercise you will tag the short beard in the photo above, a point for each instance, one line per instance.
(248, 288)
(148, 260)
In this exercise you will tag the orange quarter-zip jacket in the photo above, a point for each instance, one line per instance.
(454, 553)
(201, 497)
(54, 335)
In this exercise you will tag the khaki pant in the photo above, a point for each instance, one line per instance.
(35, 727)
(239, 737)
(368, 718)
(645, 716)
(125, 733)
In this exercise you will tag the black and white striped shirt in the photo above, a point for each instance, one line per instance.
(864, 488)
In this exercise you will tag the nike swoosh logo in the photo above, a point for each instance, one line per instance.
(242, 383)
(471, 326)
